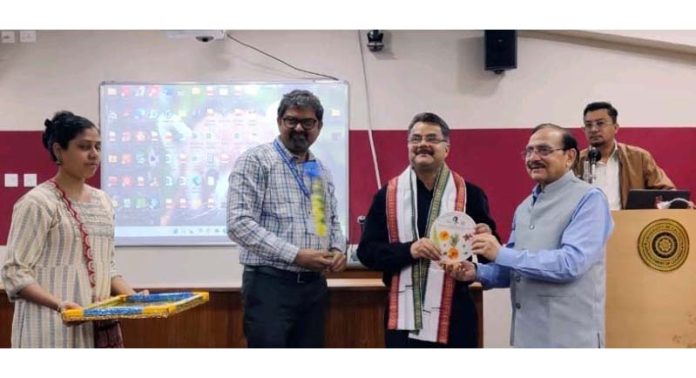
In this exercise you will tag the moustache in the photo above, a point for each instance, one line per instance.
(295, 134)
(424, 151)
(535, 164)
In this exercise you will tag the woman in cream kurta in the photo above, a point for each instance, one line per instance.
(46, 271)
(45, 247)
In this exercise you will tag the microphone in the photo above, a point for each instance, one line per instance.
(594, 156)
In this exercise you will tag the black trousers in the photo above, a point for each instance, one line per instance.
(463, 332)
(283, 309)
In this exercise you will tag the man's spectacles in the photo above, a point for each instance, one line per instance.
(542, 151)
(429, 139)
(307, 123)
(599, 123)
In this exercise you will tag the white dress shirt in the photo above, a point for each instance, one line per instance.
(608, 179)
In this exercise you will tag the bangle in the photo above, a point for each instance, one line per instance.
(59, 308)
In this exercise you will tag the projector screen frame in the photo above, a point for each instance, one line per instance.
(342, 194)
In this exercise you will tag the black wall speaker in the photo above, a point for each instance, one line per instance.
(501, 50)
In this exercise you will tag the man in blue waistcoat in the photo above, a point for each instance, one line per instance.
(554, 262)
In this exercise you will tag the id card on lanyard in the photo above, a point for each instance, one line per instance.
(317, 224)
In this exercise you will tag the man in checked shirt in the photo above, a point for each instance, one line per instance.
(269, 215)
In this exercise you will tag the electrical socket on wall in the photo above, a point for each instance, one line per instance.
(8, 36)
(27, 36)
(29, 180)
(11, 180)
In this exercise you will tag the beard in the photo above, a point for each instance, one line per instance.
(298, 143)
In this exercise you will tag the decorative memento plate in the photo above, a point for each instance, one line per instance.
(138, 306)
(452, 233)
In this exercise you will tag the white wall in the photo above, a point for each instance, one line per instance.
(440, 71)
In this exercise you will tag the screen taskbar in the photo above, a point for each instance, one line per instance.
(171, 235)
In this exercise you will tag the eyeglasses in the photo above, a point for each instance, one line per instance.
(599, 123)
(542, 151)
(429, 139)
(307, 123)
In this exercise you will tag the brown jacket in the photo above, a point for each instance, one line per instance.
(637, 170)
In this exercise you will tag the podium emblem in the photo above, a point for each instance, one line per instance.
(663, 245)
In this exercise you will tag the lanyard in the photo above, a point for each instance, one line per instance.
(292, 168)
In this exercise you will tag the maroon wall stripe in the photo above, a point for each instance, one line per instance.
(489, 158)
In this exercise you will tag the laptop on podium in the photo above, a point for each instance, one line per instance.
(649, 198)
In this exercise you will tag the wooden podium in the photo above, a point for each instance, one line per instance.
(651, 303)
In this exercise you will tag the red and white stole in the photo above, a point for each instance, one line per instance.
(420, 297)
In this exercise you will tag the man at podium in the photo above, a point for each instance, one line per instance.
(615, 167)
